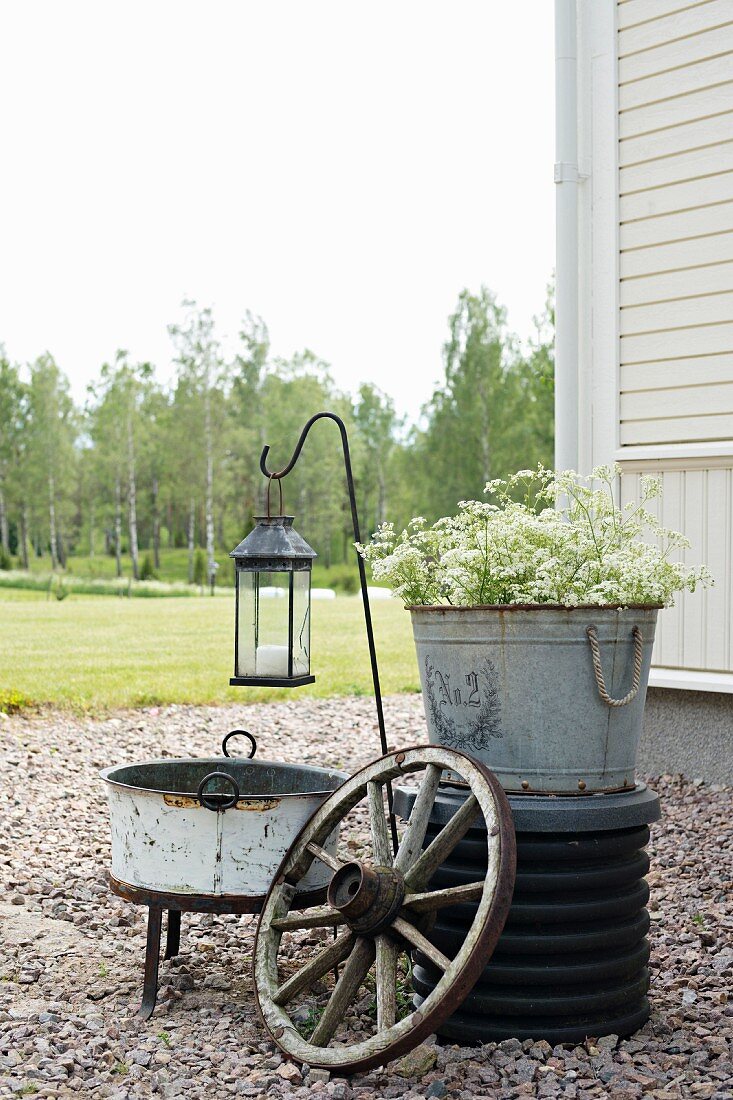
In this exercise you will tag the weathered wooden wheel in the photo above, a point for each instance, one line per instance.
(379, 910)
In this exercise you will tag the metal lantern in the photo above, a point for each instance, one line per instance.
(273, 606)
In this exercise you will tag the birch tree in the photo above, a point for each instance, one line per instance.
(52, 428)
(199, 360)
(115, 417)
(11, 427)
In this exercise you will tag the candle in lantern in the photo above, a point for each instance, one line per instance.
(272, 660)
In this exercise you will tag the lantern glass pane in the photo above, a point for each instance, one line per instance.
(301, 622)
(246, 623)
(271, 638)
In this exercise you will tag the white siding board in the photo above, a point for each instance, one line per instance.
(675, 299)
(687, 402)
(670, 285)
(678, 82)
(678, 54)
(676, 256)
(672, 24)
(687, 429)
(705, 222)
(677, 197)
(652, 117)
(633, 12)
(707, 340)
(684, 313)
(677, 139)
(679, 374)
(683, 166)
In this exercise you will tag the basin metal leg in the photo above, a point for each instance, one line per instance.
(152, 955)
(173, 934)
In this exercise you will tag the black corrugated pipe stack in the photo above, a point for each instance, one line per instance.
(572, 959)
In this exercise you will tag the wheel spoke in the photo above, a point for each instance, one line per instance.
(324, 856)
(315, 968)
(355, 970)
(387, 954)
(437, 899)
(417, 940)
(428, 863)
(378, 825)
(321, 917)
(417, 825)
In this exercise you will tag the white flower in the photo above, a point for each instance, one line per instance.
(567, 542)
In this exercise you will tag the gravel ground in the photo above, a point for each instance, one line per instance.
(71, 953)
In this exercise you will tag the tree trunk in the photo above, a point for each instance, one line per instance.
(132, 499)
(118, 528)
(191, 533)
(60, 549)
(91, 531)
(52, 520)
(156, 525)
(485, 434)
(171, 526)
(24, 555)
(382, 497)
(211, 564)
(4, 538)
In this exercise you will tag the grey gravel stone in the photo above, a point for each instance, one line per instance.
(72, 1031)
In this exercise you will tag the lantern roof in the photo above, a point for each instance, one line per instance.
(273, 537)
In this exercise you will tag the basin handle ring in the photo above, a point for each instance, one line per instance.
(598, 671)
(219, 803)
(244, 733)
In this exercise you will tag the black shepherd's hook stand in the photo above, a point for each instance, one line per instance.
(277, 476)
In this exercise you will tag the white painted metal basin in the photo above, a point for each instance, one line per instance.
(165, 838)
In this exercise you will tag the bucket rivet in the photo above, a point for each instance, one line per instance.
(581, 784)
(525, 784)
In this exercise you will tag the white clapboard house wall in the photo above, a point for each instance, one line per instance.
(645, 315)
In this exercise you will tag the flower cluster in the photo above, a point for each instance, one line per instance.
(563, 542)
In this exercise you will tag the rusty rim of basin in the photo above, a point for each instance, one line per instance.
(201, 764)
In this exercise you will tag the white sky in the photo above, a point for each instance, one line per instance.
(342, 168)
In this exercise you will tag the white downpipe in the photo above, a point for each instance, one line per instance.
(566, 231)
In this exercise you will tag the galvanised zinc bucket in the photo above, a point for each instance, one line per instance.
(550, 698)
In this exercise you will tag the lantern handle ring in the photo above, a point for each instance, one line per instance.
(235, 733)
(278, 475)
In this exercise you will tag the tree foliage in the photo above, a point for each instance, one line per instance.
(143, 465)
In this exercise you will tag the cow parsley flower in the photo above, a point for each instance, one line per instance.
(566, 542)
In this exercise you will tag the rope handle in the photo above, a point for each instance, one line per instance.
(596, 655)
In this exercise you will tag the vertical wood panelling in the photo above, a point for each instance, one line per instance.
(697, 633)
(693, 520)
(716, 555)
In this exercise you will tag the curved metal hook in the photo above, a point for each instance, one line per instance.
(275, 476)
(299, 446)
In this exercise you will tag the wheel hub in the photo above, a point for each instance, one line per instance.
(369, 898)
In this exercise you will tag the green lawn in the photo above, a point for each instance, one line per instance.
(97, 653)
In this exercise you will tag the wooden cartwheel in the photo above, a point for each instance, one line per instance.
(344, 1006)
